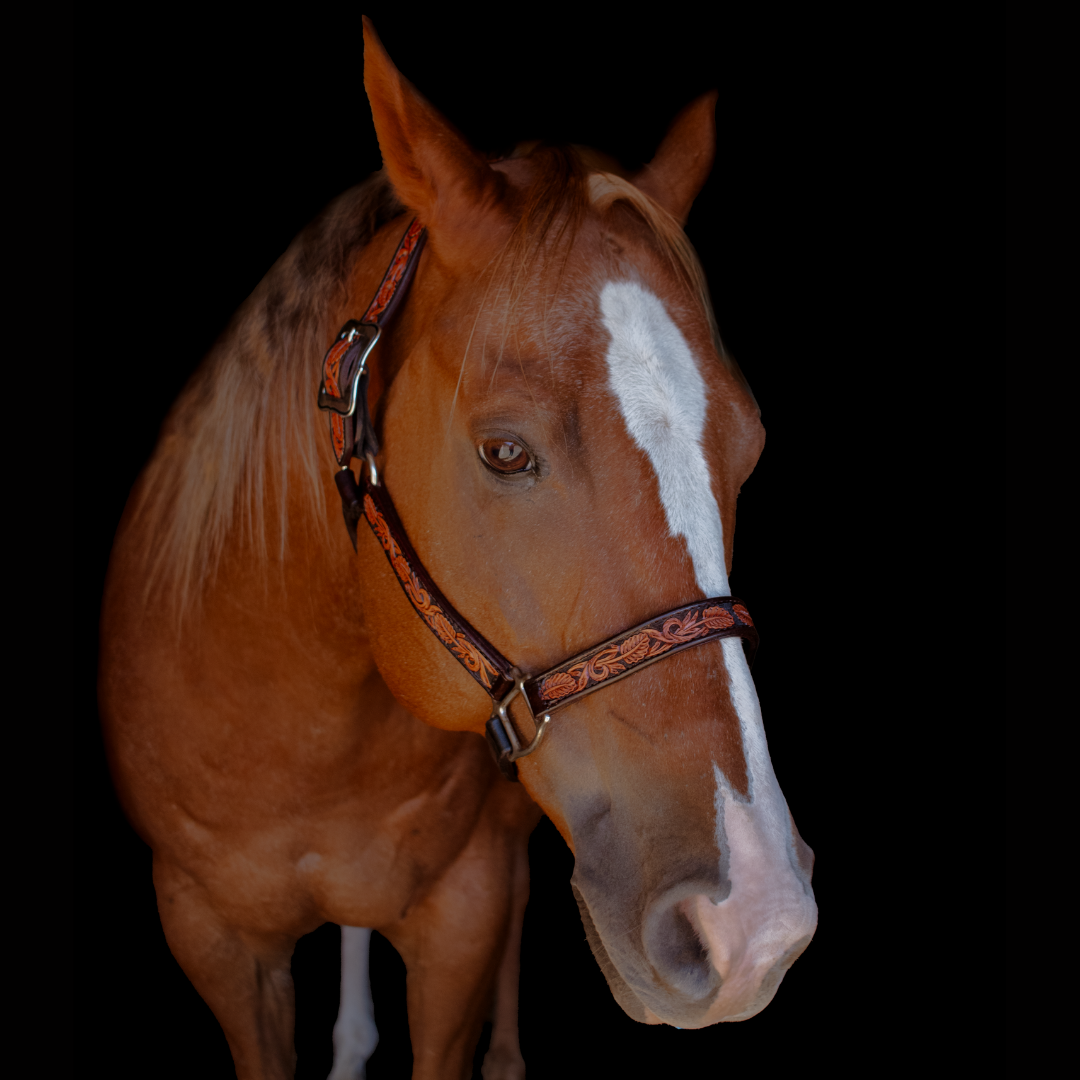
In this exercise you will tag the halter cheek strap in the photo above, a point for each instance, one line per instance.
(343, 392)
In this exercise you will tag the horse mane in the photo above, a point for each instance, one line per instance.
(247, 419)
(246, 423)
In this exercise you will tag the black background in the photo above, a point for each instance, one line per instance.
(205, 140)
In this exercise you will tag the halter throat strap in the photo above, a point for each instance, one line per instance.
(343, 393)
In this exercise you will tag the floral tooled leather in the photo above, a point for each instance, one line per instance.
(332, 365)
(393, 275)
(744, 615)
(337, 434)
(640, 645)
(331, 370)
(444, 628)
(341, 428)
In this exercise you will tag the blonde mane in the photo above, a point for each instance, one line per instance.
(247, 419)
(246, 423)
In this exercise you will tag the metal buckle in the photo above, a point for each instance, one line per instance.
(351, 331)
(508, 725)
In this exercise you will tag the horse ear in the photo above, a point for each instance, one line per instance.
(433, 169)
(682, 164)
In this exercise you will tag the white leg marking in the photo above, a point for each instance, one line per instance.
(770, 911)
(355, 1034)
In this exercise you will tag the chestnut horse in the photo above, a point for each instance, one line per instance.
(565, 439)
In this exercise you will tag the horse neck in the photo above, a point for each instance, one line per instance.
(307, 596)
(290, 616)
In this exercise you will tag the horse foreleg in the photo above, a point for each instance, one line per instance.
(503, 1060)
(355, 1034)
(243, 976)
(452, 943)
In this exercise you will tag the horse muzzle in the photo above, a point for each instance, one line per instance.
(703, 955)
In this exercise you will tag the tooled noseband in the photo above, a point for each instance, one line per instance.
(343, 393)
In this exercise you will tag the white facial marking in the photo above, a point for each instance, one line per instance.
(770, 913)
(663, 400)
(767, 919)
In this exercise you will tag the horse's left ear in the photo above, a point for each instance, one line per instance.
(682, 164)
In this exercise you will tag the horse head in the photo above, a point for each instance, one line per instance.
(565, 439)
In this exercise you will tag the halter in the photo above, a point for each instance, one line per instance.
(343, 392)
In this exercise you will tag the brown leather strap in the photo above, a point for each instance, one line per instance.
(471, 649)
(636, 648)
(395, 282)
(343, 391)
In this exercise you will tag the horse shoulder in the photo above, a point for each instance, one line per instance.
(255, 746)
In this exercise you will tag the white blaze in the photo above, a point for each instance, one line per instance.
(663, 399)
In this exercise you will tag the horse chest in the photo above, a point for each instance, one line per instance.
(379, 849)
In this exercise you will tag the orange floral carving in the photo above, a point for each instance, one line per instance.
(420, 598)
(677, 632)
(333, 365)
(394, 274)
(442, 626)
(337, 433)
(557, 686)
(378, 523)
(634, 648)
(718, 618)
(645, 644)
(744, 615)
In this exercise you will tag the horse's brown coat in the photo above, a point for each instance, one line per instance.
(293, 744)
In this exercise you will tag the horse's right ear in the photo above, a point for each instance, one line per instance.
(433, 169)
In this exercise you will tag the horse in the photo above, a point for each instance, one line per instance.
(565, 439)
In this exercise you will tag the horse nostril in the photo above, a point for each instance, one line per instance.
(687, 948)
(677, 952)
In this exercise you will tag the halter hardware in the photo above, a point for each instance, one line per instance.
(340, 404)
(373, 469)
(619, 656)
(502, 736)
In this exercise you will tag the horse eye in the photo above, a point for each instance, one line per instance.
(505, 456)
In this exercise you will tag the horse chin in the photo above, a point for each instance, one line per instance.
(701, 986)
(647, 1004)
(628, 1001)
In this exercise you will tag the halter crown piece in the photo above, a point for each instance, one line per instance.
(343, 393)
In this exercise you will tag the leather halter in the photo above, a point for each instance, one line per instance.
(343, 392)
